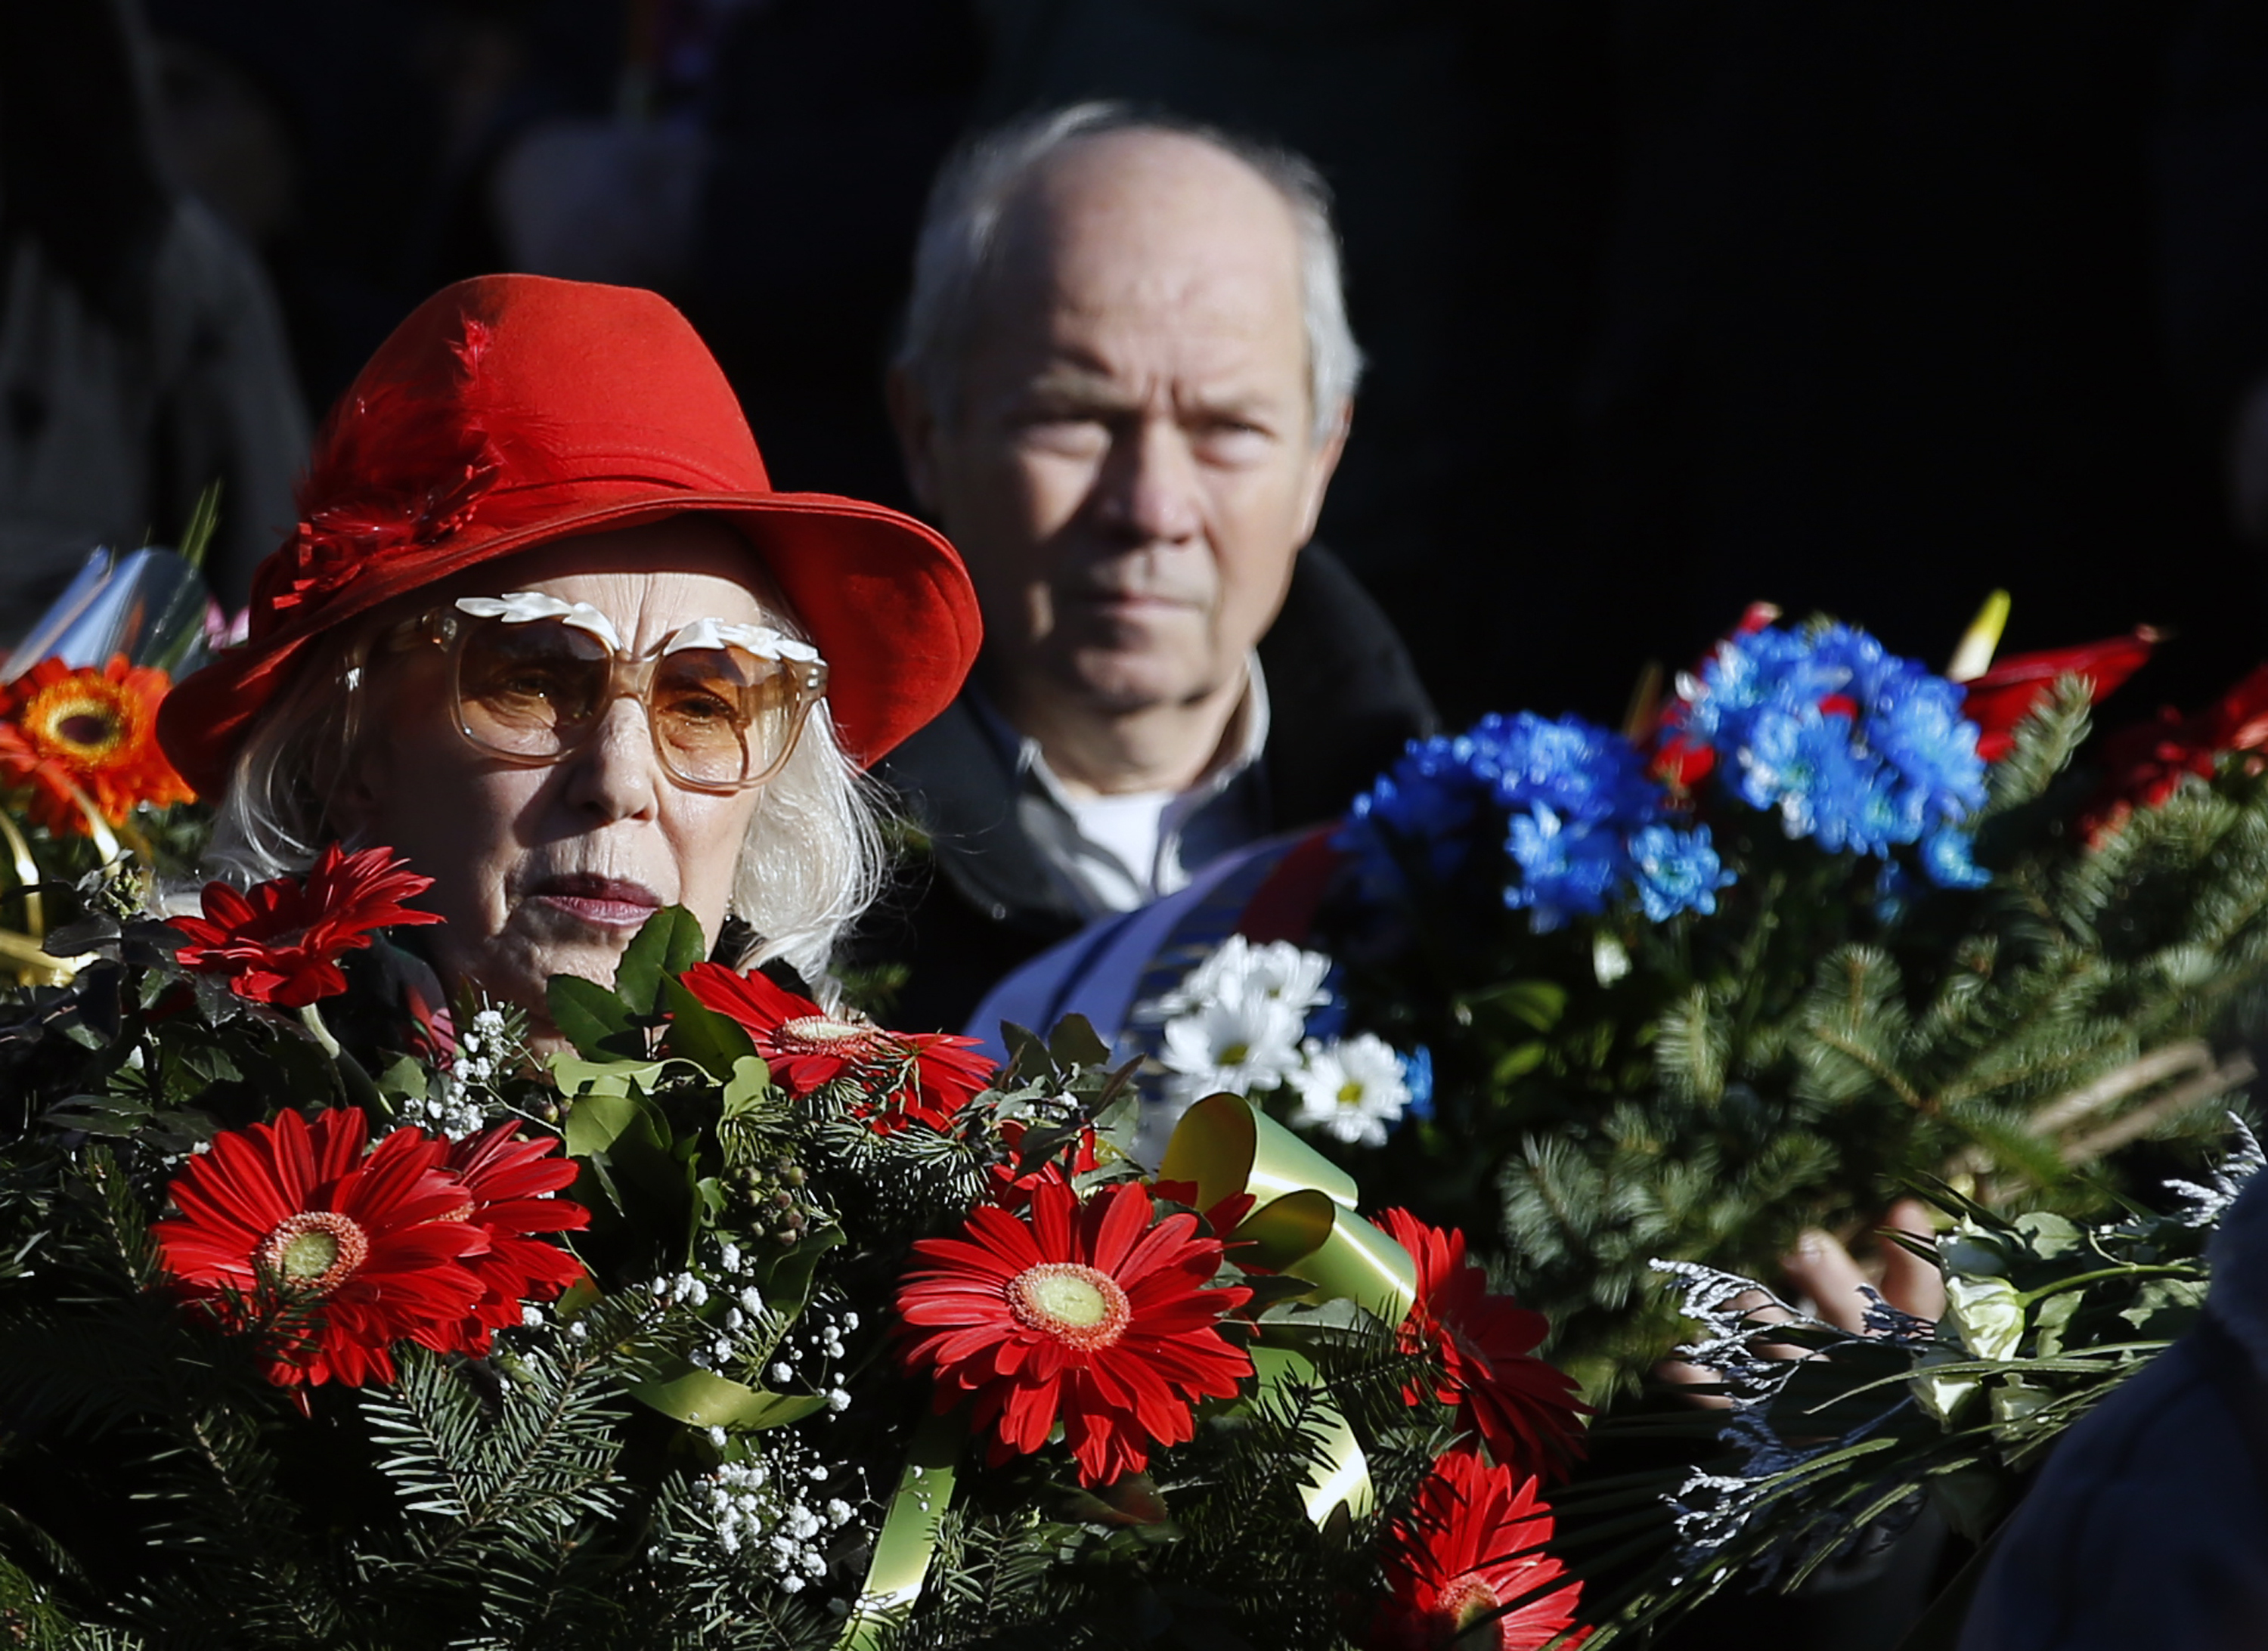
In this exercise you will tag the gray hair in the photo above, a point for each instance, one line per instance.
(813, 859)
(960, 240)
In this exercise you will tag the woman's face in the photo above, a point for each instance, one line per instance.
(549, 870)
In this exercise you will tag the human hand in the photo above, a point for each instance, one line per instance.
(1834, 1284)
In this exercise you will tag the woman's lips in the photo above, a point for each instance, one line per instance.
(605, 903)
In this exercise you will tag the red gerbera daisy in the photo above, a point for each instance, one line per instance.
(509, 1184)
(375, 1246)
(1523, 1409)
(919, 1077)
(1098, 1316)
(280, 941)
(1012, 1191)
(1473, 1543)
(89, 731)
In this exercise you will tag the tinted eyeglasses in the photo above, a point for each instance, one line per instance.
(532, 677)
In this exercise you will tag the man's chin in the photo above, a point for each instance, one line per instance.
(1118, 685)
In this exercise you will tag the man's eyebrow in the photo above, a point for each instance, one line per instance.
(1072, 383)
(1067, 383)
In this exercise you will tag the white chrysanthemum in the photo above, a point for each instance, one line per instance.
(1353, 1089)
(1246, 1046)
(1239, 971)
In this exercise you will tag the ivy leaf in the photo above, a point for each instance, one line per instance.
(1075, 1044)
(593, 1018)
(715, 1042)
(745, 1089)
(668, 945)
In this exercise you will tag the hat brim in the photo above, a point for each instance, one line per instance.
(884, 597)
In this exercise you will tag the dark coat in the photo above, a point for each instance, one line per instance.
(1344, 698)
(2149, 1524)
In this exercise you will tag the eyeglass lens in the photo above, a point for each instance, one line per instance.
(720, 716)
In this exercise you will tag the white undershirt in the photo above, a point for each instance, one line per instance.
(1115, 852)
(1129, 825)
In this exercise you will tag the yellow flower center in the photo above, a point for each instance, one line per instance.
(1350, 1093)
(1078, 1306)
(821, 1034)
(316, 1250)
(1468, 1601)
(77, 718)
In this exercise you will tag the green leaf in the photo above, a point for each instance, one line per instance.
(699, 1399)
(786, 1284)
(405, 1080)
(1534, 1003)
(669, 944)
(744, 1091)
(593, 1018)
(577, 1077)
(599, 1123)
(1075, 1044)
(715, 1042)
(1520, 1060)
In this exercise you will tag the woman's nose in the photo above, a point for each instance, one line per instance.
(614, 775)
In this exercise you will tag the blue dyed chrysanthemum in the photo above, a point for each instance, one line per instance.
(1569, 806)
(1851, 745)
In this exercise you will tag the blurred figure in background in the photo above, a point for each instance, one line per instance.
(808, 213)
(352, 145)
(1126, 379)
(141, 354)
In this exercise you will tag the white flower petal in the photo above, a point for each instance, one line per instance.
(519, 608)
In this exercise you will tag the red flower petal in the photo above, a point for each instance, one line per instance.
(279, 942)
(1521, 1408)
(1474, 1541)
(1123, 1357)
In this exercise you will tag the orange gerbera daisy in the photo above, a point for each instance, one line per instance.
(90, 729)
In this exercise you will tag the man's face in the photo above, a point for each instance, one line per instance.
(1132, 464)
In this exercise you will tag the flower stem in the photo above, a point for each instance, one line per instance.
(311, 1018)
(360, 1091)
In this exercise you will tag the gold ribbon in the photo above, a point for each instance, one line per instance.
(25, 949)
(1304, 1225)
(907, 1541)
(1304, 1222)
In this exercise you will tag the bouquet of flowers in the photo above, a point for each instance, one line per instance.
(1823, 921)
(737, 1322)
(82, 781)
(1837, 1439)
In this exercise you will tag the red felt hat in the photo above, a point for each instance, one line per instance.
(510, 410)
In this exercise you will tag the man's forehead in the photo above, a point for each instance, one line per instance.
(1134, 244)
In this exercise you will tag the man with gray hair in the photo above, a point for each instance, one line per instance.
(1126, 378)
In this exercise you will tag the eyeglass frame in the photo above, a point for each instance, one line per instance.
(446, 628)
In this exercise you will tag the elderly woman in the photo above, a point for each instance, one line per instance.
(546, 629)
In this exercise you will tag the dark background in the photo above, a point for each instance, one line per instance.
(1671, 305)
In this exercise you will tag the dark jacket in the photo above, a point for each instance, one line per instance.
(2149, 1524)
(1344, 698)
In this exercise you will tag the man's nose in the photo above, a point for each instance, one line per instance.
(1149, 485)
(612, 775)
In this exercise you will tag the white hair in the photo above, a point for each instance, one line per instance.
(961, 236)
(813, 859)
